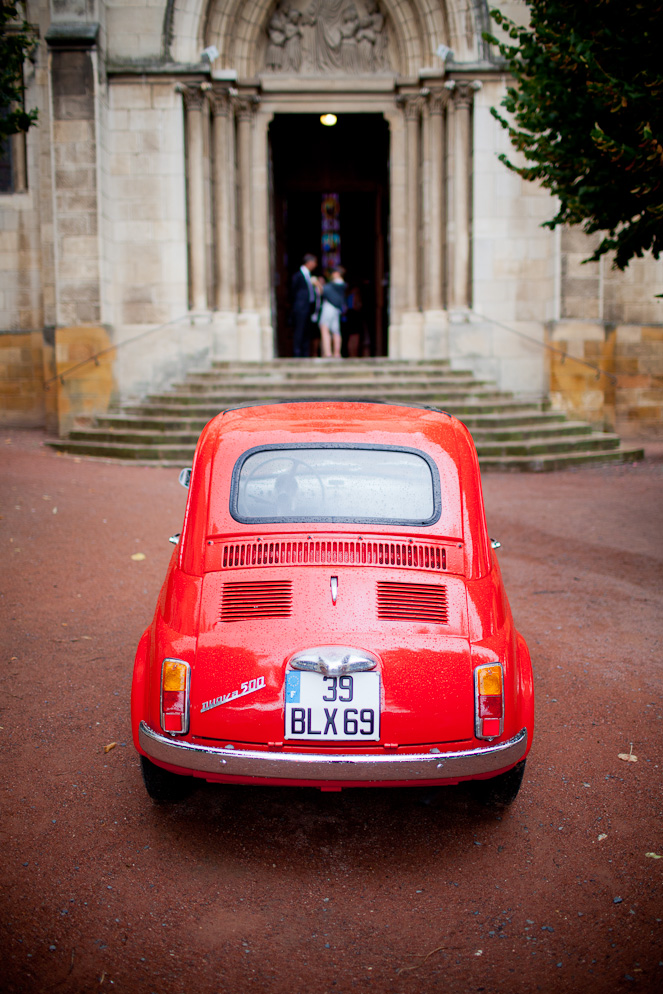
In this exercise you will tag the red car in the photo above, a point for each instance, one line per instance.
(333, 614)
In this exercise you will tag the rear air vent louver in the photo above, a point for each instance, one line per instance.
(412, 602)
(242, 601)
(323, 552)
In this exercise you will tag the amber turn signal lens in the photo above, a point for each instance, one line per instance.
(489, 681)
(174, 674)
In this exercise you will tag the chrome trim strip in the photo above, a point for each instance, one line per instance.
(334, 767)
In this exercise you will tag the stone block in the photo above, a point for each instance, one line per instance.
(579, 307)
(73, 131)
(73, 268)
(142, 313)
(69, 154)
(87, 312)
(128, 96)
(8, 244)
(75, 178)
(165, 98)
(74, 224)
(574, 240)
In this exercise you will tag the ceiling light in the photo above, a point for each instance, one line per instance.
(329, 120)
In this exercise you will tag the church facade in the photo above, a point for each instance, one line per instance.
(182, 165)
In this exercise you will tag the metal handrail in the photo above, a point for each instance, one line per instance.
(190, 317)
(551, 348)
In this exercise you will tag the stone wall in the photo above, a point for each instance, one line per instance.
(21, 379)
(630, 400)
(88, 389)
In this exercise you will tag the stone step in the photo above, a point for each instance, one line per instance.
(309, 383)
(568, 460)
(529, 419)
(347, 365)
(536, 428)
(403, 390)
(146, 452)
(525, 461)
(547, 445)
(460, 407)
(138, 433)
(328, 370)
(509, 433)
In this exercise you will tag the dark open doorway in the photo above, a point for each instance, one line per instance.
(342, 170)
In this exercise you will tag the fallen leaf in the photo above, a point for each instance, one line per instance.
(653, 855)
(628, 757)
(138, 557)
(601, 837)
(54, 511)
(111, 745)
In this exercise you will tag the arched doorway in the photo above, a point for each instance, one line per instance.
(330, 196)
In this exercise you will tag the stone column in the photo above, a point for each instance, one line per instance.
(74, 109)
(245, 110)
(194, 102)
(412, 105)
(262, 255)
(408, 325)
(224, 197)
(463, 94)
(397, 226)
(434, 200)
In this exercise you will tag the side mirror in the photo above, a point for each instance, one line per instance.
(185, 478)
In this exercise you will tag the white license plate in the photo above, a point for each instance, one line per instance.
(332, 708)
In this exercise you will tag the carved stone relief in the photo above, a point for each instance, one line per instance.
(317, 37)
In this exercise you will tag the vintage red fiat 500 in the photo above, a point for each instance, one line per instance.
(333, 614)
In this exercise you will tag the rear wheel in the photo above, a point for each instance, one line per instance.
(162, 785)
(499, 791)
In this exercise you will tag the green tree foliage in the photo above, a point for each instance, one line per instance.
(587, 115)
(17, 42)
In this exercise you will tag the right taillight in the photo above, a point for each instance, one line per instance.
(488, 701)
(175, 678)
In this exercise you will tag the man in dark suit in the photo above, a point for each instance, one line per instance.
(303, 306)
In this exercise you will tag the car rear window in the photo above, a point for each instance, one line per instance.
(335, 482)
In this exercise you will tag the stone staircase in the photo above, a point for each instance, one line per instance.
(509, 434)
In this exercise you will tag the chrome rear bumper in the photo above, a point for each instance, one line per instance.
(333, 767)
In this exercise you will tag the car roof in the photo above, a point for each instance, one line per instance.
(231, 433)
(330, 417)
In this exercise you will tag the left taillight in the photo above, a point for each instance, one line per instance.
(488, 701)
(175, 680)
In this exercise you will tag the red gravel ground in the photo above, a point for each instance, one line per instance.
(291, 891)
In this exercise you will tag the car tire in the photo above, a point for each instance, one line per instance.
(499, 791)
(162, 786)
